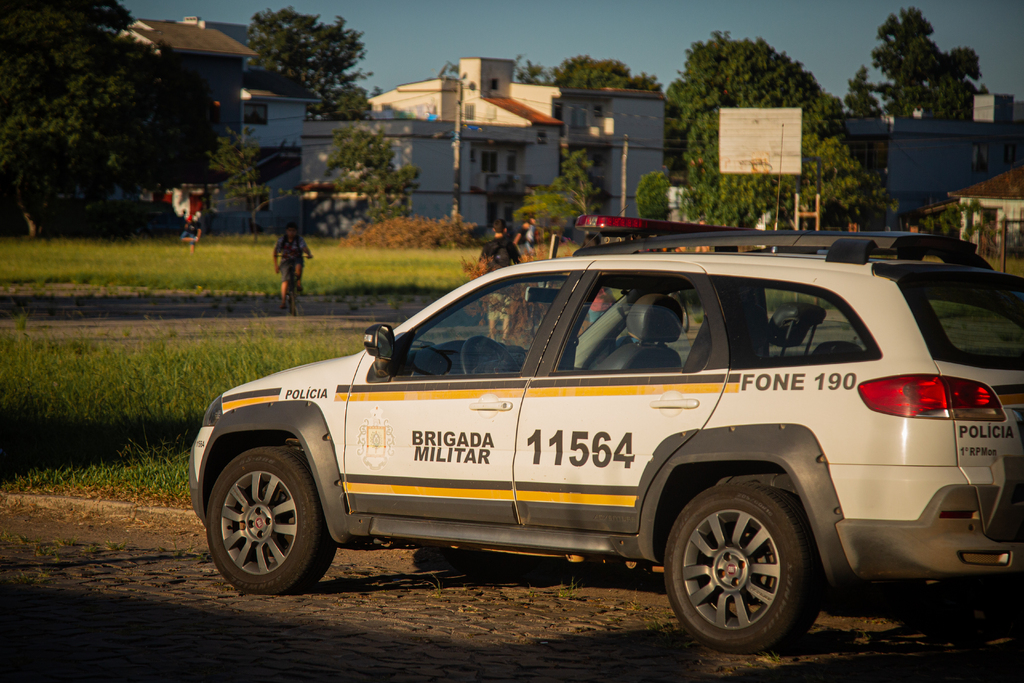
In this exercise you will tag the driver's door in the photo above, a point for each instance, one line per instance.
(437, 440)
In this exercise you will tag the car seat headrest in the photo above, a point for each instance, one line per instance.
(791, 321)
(655, 318)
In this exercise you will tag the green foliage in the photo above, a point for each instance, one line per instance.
(860, 101)
(546, 206)
(724, 73)
(84, 108)
(652, 196)
(963, 217)
(583, 71)
(574, 182)
(116, 219)
(919, 74)
(237, 156)
(365, 163)
(570, 195)
(118, 420)
(319, 56)
(532, 74)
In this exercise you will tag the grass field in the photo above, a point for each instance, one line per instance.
(117, 420)
(231, 264)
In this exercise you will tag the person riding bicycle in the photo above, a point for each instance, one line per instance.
(290, 248)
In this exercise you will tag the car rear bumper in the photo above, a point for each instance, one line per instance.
(930, 547)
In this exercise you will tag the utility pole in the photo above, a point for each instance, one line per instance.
(625, 154)
(457, 149)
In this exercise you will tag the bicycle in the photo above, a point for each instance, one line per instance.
(291, 295)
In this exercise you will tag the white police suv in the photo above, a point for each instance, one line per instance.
(754, 412)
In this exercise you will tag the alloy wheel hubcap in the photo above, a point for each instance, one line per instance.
(258, 522)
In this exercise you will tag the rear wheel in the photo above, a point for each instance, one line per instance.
(293, 307)
(741, 571)
(265, 526)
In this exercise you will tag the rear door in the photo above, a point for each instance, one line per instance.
(623, 383)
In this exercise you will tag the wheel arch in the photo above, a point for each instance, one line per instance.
(275, 424)
(783, 456)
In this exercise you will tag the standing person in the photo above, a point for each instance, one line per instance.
(529, 234)
(501, 251)
(290, 247)
(192, 232)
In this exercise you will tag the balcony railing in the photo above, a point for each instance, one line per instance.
(501, 183)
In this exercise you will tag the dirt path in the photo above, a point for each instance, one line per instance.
(116, 313)
(89, 594)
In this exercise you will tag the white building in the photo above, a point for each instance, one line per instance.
(511, 139)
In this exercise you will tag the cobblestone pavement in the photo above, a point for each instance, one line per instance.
(79, 604)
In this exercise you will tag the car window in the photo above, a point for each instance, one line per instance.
(973, 323)
(775, 324)
(489, 332)
(635, 322)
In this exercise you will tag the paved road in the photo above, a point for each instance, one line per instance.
(78, 605)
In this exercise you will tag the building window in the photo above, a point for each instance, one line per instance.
(489, 162)
(579, 117)
(556, 111)
(256, 114)
(470, 112)
(542, 137)
(510, 163)
(215, 112)
(598, 160)
(979, 158)
(598, 111)
(1009, 153)
(472, 155)
(494, 84)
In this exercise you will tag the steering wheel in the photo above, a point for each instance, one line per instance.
(483, 355)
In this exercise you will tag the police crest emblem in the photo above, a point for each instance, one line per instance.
(376, 440)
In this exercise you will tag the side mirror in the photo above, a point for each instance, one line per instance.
(379, 341)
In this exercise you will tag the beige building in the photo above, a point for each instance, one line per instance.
(510, 141)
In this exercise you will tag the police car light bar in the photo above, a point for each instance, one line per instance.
(621, 226)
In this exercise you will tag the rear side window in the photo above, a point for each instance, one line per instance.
(970, 322)
(775, 324)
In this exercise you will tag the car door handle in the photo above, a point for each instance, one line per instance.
(491, 405)
(676, 403)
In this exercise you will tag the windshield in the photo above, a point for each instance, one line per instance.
(972, 323)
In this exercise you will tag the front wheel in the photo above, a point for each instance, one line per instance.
(265, 526)
(741, 571)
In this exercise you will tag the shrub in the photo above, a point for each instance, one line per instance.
(652, 196)
(413, 232)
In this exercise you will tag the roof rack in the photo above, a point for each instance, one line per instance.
(841, 247)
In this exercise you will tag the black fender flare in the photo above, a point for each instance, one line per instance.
(304, 421)
(790, 448)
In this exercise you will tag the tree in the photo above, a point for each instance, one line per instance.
(860, 101)
(743, 73)
(319, 56)
(238, 156)
(919, 74)
(365, 161)
(532, 74)
(583, 71)
(652, 196)
(85, 109)
(570, 195)
(574, 182)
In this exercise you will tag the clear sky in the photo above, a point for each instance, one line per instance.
(411, 40)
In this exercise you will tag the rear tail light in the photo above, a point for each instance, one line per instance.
(932, 396)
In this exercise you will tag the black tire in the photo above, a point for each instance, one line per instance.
(490, 567)
(274, 541)
(755, 582)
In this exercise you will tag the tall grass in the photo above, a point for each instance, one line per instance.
(106, 419)
(231, 263)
